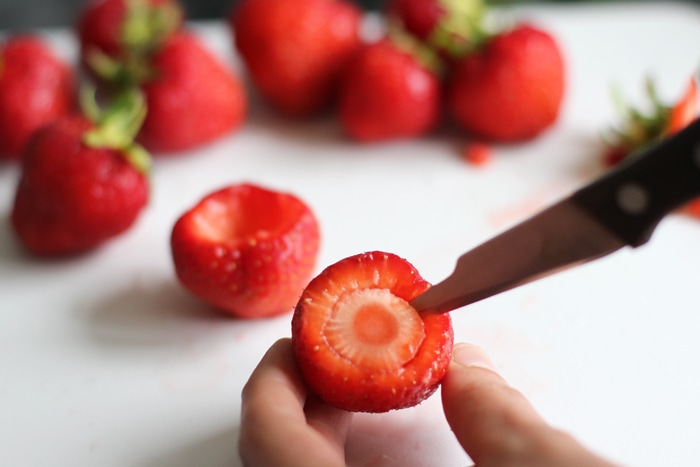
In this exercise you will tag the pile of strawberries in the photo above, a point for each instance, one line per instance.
(436, 61)
(146, 86)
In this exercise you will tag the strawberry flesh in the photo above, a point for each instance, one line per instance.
(359, 343)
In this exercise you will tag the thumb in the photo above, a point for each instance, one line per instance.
(495, 424)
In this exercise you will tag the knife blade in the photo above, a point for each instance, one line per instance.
(620, 209)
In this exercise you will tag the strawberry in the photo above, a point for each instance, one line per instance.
(358, 342)
(83, 181)
(390, 91)
(512, 88)
(296, 50)
(193, 99)
(452, 27)
(126, 30)
(246, 250)
(36, 87)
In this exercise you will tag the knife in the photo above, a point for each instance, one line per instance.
(621, 208)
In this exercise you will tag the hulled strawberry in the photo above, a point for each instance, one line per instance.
(246, 250)
(296, 50)
(192, 98)
(512, 88)
(36, 87)
(452, 27)
(83, 182)
(391, 90)
(359, 343)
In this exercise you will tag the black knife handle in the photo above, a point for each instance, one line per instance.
(633, 198)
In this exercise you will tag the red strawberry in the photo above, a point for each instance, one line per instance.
(388, 92)
(193, 98)
(295, 50)
(36, 87)
(510, 90)
(125, 29)
(452, 27)
(246, 250)
(360, 345)
(81, 183)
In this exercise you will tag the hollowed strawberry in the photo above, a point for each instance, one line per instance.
(359, 343)
(246, 250)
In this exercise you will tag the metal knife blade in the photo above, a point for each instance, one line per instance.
(620, 209)
(559, 237)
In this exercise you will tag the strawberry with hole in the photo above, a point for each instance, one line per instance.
(83, 181)
(639, 129)
(192, 97)
(246, 250)
(358, 342)
(391, 90)
(36, 87)
(296, 50)
(512, 88)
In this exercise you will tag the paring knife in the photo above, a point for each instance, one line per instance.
(622, 208)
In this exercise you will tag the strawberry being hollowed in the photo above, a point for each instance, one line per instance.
(83, 182)
(36, 87)
(246, 250)
(359, 343)
(511, 89)
(391, 90)
(296, 50)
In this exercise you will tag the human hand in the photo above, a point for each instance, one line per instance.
(284, 425)
(496, 425)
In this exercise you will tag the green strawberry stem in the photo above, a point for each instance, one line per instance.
(146, 26)
(405, 41)
(638, 128)
(143, 32)
(462, 29)
(117, 125)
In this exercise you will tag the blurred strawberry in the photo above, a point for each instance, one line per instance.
(125, 30)
(512, 88)
(391, 90)
(296, 50)
(36, 87)
(83, 181)
(192, 98)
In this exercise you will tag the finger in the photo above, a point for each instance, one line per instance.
(495, 424)
(274, 429)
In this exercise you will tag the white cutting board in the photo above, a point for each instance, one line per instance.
(105, 361)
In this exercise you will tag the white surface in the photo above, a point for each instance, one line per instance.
(105, 361)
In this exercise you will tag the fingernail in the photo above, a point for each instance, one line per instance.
(470, 355)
